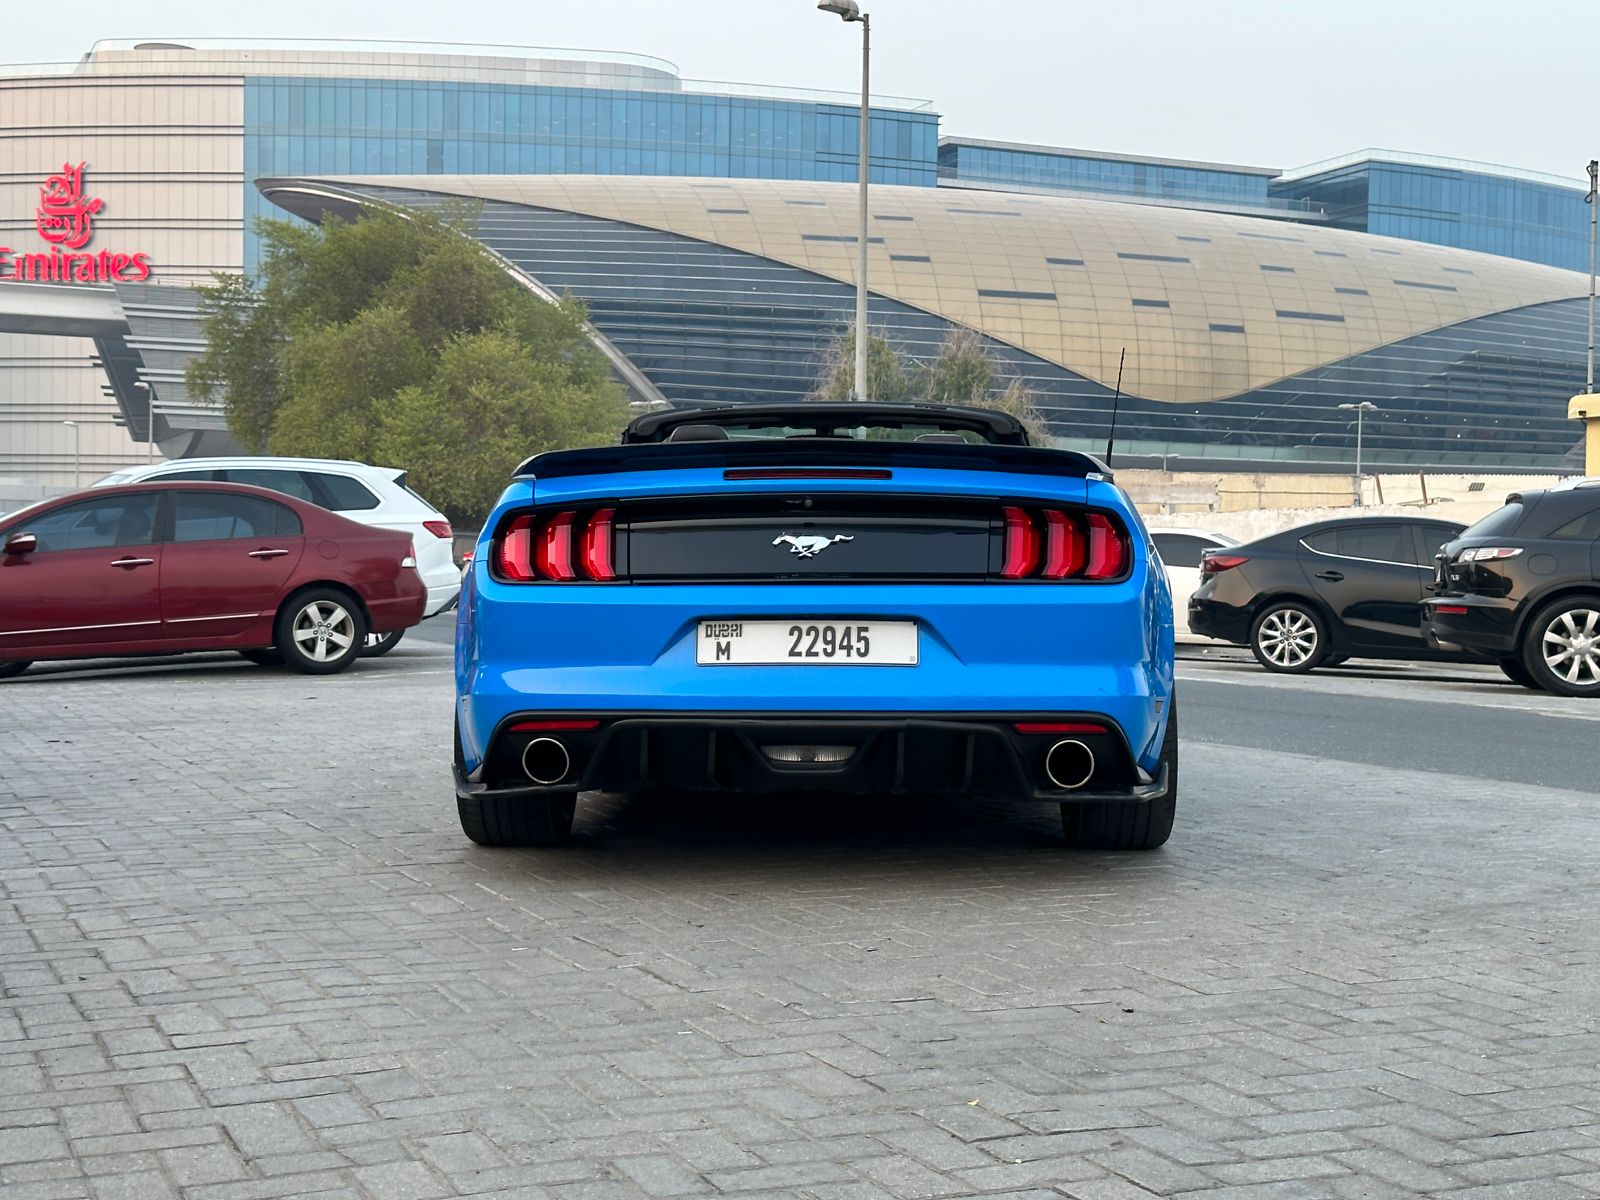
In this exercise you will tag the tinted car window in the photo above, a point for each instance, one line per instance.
(215, 516)
(95, 524)
(1580, 529)
(343, 494)
(1181, 549)
(1429, 539)
(1326, 542)
(1382, 543)
(290, 483)
(196, 476)
(1502, 520)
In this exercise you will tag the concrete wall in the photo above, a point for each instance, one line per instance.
(1249, 506)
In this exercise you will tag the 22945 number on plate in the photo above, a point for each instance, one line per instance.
(803, 642)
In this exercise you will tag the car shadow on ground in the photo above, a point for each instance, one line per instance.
(830, 841)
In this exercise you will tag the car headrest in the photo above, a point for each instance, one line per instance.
(698, 433)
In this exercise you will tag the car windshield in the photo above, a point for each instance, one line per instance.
(1502, 520)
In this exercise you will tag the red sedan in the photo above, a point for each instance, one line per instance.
(165, 568)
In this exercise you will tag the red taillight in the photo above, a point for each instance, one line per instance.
(562, 726)
(563, 546)
(597, 560)
(513, 550)
(1211, 562)
(1022, 545)
(553, 552)
(1058, 727)
(1064, 549)
(1069, 546)
(439, 529)
(1108, 553)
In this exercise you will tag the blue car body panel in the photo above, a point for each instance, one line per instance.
(986, 647)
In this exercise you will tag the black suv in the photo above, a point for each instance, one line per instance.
(1523, 586)
(1322, 593)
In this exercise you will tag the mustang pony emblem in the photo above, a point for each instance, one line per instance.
(809, 545)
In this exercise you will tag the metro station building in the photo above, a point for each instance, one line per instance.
(711, 228)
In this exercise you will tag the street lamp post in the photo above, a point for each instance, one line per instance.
(1361, 410)
(77, 473)
(150, 414)
(1594, 224)
(849, 10)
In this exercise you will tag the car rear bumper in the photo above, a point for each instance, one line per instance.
(1487, 627)
(1214, 619)
(864, 754)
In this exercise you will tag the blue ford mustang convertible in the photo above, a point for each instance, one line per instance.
(846, 598)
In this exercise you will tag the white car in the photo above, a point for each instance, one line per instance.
(371, 495)
(1180, 551)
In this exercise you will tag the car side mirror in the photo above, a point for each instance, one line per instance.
(21, 543)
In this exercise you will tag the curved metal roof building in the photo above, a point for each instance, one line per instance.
(1242, 336)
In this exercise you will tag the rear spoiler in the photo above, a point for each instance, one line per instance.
(813, 452)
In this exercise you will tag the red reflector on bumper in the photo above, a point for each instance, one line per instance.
(1058, 727)
(567, 726)
(1451, 610)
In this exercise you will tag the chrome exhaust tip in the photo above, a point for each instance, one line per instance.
(1069, 765)
(545, 761)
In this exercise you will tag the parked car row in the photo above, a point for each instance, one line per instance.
(1521, 588)
(308, 563)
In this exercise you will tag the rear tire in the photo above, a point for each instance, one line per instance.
(1290, 638)
(1129, 826)
(320, 631)
(1517, 671)
(1561, 646)
(10, 670)
(518, 821)
(379, 644)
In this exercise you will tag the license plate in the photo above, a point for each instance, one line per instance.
(806, 643)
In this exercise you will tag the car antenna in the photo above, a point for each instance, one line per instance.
(1111, 438)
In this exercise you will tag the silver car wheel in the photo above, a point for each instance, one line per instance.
(1287, 637)
(1571, 647)
(323, 630)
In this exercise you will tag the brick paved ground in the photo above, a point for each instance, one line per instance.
(245, 953)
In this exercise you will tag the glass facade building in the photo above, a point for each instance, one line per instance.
(301, 126)
(1241, 341)
(969, 161)
(1519, 214)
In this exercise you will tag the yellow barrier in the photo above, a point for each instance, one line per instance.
(1586, 408)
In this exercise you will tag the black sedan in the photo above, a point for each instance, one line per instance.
(1322, 593)
(1523, 587)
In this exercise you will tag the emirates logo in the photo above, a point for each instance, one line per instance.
(65, 215)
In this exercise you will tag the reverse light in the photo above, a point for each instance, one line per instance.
(439, 529)
(1489, 553)
(1212, 563)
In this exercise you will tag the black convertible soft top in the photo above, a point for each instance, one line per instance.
(824, 419)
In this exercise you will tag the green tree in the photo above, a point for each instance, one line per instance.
(889, 375)
(397, 339)
(962, 373)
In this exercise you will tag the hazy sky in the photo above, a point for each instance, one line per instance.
(1264, 82)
